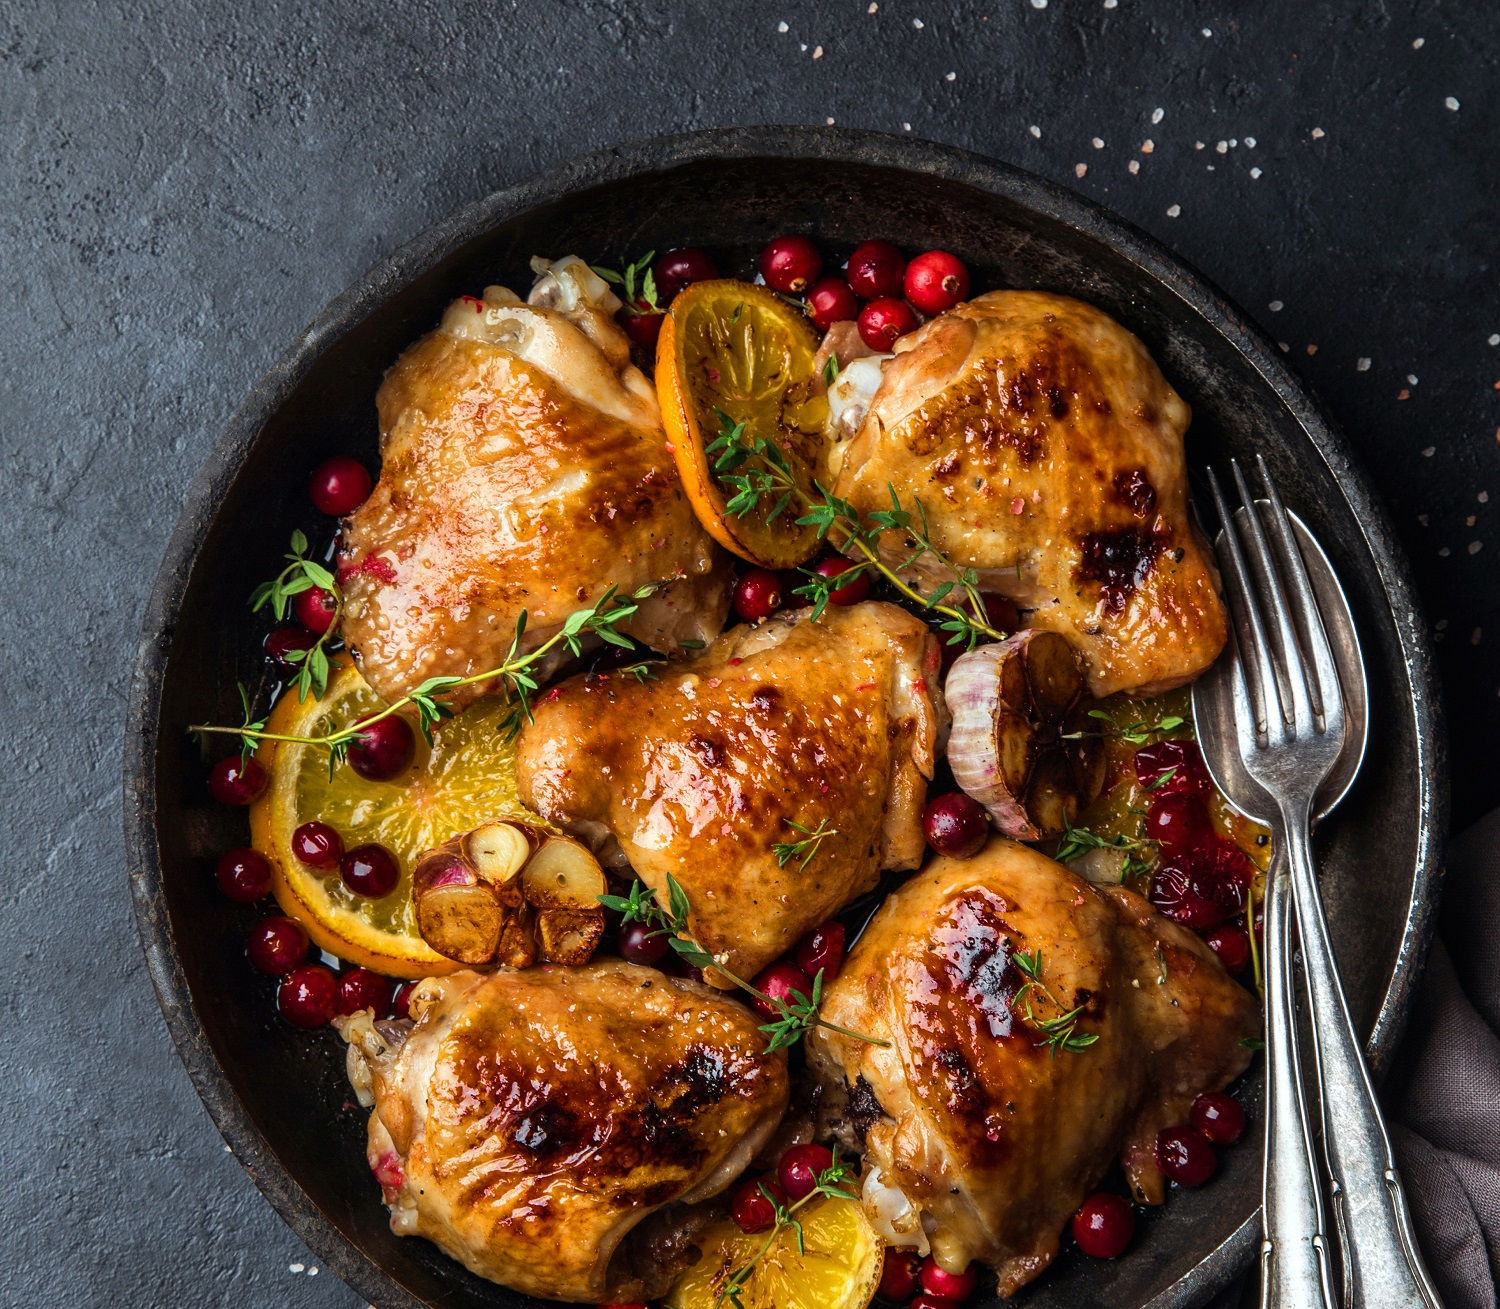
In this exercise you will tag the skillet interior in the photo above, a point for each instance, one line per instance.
(279, 1097)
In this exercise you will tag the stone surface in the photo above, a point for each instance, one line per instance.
(187, 184)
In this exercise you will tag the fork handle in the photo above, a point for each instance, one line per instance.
(1382, 1266)
(1294, 1272)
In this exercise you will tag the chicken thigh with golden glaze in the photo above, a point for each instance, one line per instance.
(775, 734)
(980, 1138)
(1046, 449)
(523, 466)
(529, 1120)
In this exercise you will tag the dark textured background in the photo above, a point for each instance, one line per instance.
(186, 186)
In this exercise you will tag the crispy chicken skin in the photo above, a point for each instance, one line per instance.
(1046, 448)
(701, 771)
(523, 466)
(968, 1117)
(531, 1119)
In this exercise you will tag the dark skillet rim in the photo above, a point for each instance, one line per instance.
(340, 1255)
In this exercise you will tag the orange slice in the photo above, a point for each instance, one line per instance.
(732, 349)
(465, 777)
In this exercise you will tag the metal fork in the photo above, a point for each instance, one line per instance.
(1289, 727)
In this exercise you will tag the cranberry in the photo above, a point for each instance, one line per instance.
(316, 609)
(1179, 822)
(308, 996)
(370, 870)
(1218, 1116)
(276, 946)
(800, 1168)
(956, 825)
(237, 781)
(1232, 945)
(883, 322)
(384, 749)
(339, 486)
(359, 988)
(285, 641)
(822, 950)
(757, 594)
(899, 1279)
(640, 944)
(1184, 1155)
(318, 845)
(852, 591)
(1174, 892)
(1179, 762)
(679, 269)
(1103, 1225)
(1002, 613)
(749, 1207)
(875, 270)
(401, 1000)
(831, 301)
(936, 281)
(790, 264)
(952, 1286)
(925, 1301)
(779, 981)
(642, 324)
(244, 876)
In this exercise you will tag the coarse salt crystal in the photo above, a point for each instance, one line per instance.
(1173, 211)
(1419, 43)
(1098, 143)
(1035, 130)
(1222, 147)
(1362, 364)
(1080, 169)
(1429, 452)
(1255, 173)
(917, 23)
(1483, 497)
(950, 77)
(1475, 547)
(294, 1268)
(1495, 338)
(906, 127)
(1412, 378)
(1444, 552)
(1208, 31)
(828, 121)
(1148, 146)
(873, 7)
(782, 27)
(1250, 142)
(1134, 165)
(1318, 134)
(1275, 306)
(1111, 4)
(818, 53)
(1038, 4)
(1451, 102)
(1157, 115)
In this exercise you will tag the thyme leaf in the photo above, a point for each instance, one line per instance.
(804, 849)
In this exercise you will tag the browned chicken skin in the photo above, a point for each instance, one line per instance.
(523, 466)
(701, 771)
(531, 1119)
(968, 1117)
(1046, 448)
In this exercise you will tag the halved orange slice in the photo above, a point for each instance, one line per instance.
(731, 353)
(467, 776)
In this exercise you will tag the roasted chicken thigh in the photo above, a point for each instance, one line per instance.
(529, 1120)
(774, 735)
(980, 1138)
(1046, 448)
(523, 466)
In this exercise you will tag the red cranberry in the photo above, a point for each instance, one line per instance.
(1180, 763)
(749, 1207)
(359, 988)
(1232, 945)
(370, 870)
(316, 609)
(1173, 892)
(779, 981)
(276, 946)
(1218, 1116)
(244, 876)
(790, 264)
(883, 322)
(1103, 1225)
(925, 1301)
(679, 269)
(1179, 822)
(1184, 1155)
(936, 281)
(831, 301)
(757, 594)
(1002, 613)
(641, 944)
(800, 1168)
(952, 1286)
(401, 1000)
(642, 324)
(899, 1279)
(956, 825)
(822, 950)
(318, 845)
(384, 749)
(875, 270)
(308, 996)
(284, 641)
(234, 781)
(339, 486)
(854, 590)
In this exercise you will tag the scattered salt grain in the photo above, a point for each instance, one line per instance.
(294, 1268)
(1098, 143)
(1423, 519)
(1483, 497)
(1275, 306)
(1419, 43)
(1134, 165)
(818, 53)
(828, 121)
(1197, 145)
(1255, 173)
(1471, 520)
(1475, 547)
(1452, 103)
(1318, 134)
(1312, 349)
(1250, 143)
(1429, 452)
(782, 27)
(1495, 338)
(1080, 169)
(906, 127)
(950, 77)
(873, 7)
(1035, 131)
(1444, 552)
(1411, 378)
(313, 1271)
(1157, 115)
(1208, 31)
(1038, 4)
(804, 47)
(1362, 364)
(917, 23)
(1111, 4)
(1283, 346)
(1173, 211)
(1222, 147)
(1148, 146)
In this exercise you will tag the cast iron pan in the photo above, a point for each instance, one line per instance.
(279, 1097)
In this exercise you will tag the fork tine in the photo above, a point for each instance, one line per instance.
(1253, 647)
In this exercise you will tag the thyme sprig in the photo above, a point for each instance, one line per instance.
(830, 1183)
(805, 849)
(794, 1016)
(627, 279)
(1077, 841)
(302, 573)
(1060, 1032)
